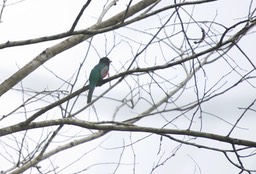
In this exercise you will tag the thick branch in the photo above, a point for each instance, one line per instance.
(133, 128)
(36, 160)
(66, 44)
(94, 31)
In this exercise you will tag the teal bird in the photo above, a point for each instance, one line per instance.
(97, 74)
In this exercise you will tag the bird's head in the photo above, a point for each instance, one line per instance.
(105, 60)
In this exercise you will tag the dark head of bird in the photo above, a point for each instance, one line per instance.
(105, 60)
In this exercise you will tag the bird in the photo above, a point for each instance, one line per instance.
(97, 74)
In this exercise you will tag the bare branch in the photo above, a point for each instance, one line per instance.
(79, 16)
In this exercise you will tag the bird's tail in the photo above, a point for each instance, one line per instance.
(89, 97)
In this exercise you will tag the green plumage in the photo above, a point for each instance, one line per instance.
(97, 74)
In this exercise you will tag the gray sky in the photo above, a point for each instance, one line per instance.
(31, 18)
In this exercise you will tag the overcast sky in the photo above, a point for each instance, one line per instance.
(35, 18)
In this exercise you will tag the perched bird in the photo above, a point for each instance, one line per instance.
(97, 74)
